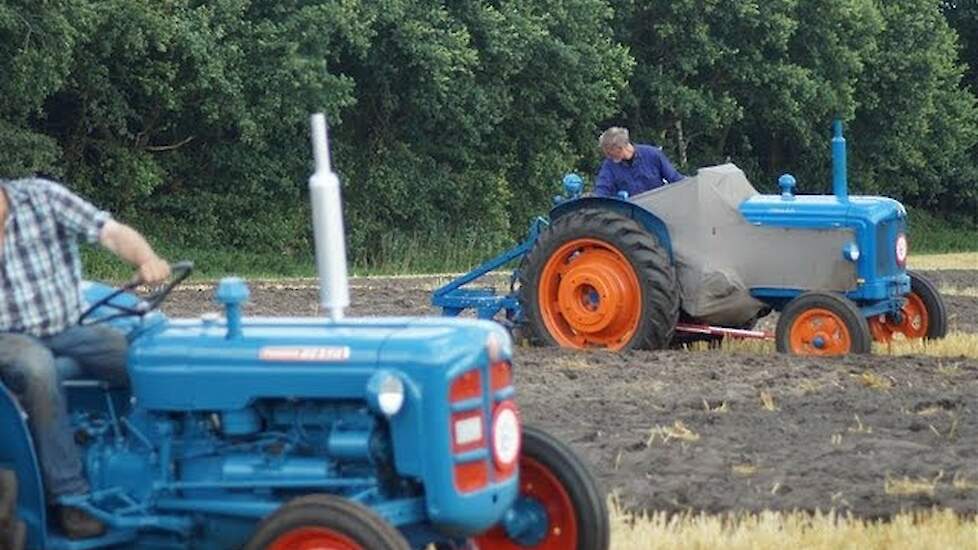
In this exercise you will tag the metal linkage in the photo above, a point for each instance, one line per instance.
(453, 299)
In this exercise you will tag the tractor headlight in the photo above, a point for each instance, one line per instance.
(506, 436)
(385, 392)
(851, 252)
(901, 249)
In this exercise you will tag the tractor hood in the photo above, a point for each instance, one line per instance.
(820, 211)
(207, 365)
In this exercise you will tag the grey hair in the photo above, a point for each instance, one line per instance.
(613, 137)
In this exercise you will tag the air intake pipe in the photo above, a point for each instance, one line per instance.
(840, 185)
(327, 223)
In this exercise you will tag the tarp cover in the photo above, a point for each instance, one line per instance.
(720, 255)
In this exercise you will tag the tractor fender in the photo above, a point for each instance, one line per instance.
(17, 453)
(652, 223)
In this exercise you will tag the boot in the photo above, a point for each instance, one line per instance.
(79, 524)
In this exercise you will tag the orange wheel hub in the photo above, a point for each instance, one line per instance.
(590, 295)
(540, 484)
(819, 331)
(913, 324)
(313, 538)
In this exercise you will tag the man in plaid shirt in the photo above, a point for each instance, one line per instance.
(40, 272)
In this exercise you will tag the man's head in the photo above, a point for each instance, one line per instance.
(615, 144)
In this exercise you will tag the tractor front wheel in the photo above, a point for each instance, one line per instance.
(13, 532)
(822, 323)
(325, 521)
(596, 279)
(924, 315)
(559, 505)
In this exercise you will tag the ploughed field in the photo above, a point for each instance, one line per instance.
(729, 429)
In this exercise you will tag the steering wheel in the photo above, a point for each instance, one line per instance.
(179, 271)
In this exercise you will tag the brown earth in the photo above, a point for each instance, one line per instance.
(713, 431)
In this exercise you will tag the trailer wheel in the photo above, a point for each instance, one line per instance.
(596, 279)
(822, 323)
(13, 532)
(923, 316)
(559, 495)
(325, 521)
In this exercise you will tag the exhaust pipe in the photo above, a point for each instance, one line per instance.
(327, 224)
(840, 185)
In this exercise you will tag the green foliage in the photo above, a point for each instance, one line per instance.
(452, 122)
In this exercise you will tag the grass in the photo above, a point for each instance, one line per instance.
(396, 254)
(936, 233)
(957, 260)
(956, 344)
(773, 530)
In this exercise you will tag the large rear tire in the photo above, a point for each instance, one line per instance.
(822, 323)
(13, 532)
(560, 489)
(325, 521)
(923, 316)
(596, 279)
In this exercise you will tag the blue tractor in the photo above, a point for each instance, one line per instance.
(301, 433)
(706, 257)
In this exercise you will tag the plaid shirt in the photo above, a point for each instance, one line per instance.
(40, 266)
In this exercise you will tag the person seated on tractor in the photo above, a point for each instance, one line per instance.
(629, 167)
(41, 223)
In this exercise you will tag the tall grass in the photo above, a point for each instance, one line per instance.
(397, 254)
(931, 233)
(938, 530)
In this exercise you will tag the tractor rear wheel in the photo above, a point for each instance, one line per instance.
(822, 323)
(923, 316)
(559, 501)
(325, 521)
(13, 532)
(596, 279)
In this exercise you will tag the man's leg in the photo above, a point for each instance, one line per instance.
(27, 369)
(99, 349)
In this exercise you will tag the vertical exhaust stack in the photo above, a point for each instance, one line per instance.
(327, 223)
(840, 185)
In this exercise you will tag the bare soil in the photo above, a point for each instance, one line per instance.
(715, 432)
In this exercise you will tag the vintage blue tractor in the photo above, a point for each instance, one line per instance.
(708, 256)
(302, 433)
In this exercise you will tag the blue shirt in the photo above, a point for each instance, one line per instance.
(40, 266)
(648, 169)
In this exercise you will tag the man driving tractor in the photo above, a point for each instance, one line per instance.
(40, 271)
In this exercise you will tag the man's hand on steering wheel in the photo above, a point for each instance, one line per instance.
(153, 271)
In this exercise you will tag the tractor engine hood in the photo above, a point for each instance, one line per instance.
(820, 211)
(204, 365)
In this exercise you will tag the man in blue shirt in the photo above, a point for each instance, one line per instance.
(629, 167)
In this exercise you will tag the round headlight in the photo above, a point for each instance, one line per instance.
(385, 392)
(851, 252)
(902, 249)
(506, 436)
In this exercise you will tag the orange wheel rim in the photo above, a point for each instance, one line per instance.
(819, 331)
(313, 538)
(913, 324)
(539, 483)
(589, 296)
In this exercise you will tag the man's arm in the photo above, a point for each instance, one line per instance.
(666, 170)
(604, 185)
(126, 243)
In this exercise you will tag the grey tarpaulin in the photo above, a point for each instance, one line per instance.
(720, 256)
